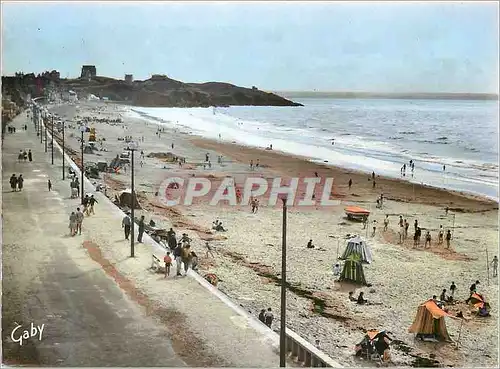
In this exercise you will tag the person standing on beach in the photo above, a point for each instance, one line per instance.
(415, 224)
(20, 182)
(49, 183)
(440, 235)
(427, 239)
(269, 317)
(374, 183)
(251, 164)
(407, 225)
(25, 156)
(453, 287)
(350, 183)
(419, 235)
(401, 234)
(126, 222)
(373, 176)
(374, 228)
(494, 265)
(141, 229)
(13, 182)
(386, 222)
(30, 156)
(400, 220)
(448, 239)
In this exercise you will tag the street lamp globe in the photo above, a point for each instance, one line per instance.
(83, 129)
(132, 145)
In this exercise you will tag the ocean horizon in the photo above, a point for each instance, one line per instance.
(378, 135)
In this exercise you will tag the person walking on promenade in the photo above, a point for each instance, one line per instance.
(262, 316)
(440, 235)
(92, 202)
(30, 156)
(85, 203)
(168, 262)
(25, 156)
(13, 182)
(141, 229)
(186, 257)
(494, 264)
(20, 156)
(126, 222)
(178, 258)
(72, 224)
(79, 221)
(269, 317)
(49, 184)
(77, 186)
(20, 182)
(448, 239)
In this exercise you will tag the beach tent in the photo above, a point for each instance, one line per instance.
(430, 321)
(353, 271)
(478, 301)
(356, 245)
(125, 199)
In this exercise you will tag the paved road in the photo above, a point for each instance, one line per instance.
(48, 278)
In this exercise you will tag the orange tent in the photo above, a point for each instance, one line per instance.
(429, 320)
(478, 301)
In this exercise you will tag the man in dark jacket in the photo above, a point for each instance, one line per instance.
(141, 229)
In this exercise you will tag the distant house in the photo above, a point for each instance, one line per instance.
(88, 71)
(129, 78)
(158, 77)
(254, 88)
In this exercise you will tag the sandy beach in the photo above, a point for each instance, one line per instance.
(248, 256)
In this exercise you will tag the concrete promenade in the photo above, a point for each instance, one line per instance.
(100, 307)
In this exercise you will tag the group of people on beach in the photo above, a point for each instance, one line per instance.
(403, 233)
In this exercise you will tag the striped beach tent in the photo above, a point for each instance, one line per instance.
(353, 271)
(357, 246)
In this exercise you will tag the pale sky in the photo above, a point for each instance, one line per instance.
(386, 47)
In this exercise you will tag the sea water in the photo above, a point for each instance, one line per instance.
(377, 135)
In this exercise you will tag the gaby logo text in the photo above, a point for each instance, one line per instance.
(298, 192)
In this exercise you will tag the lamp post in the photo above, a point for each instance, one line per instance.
(45, 125)
(63, 169)
(83, 129)
(283, 290)
(52, 138)
(39, 117)
(132, 146)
